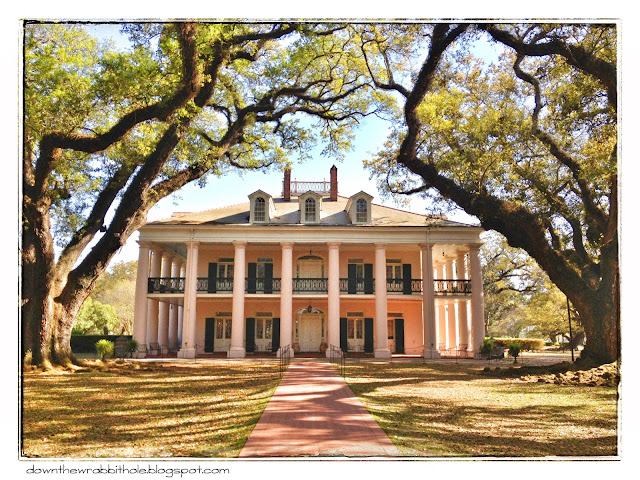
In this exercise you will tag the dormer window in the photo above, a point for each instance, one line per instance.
(310, 210)
(259, 210)
(361, 211)
(310, 204)
(359, 208)
(262, 208)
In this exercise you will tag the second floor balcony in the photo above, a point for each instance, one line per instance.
(349, 286)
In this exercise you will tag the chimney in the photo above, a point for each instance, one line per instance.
(286, 184)
(333, 186)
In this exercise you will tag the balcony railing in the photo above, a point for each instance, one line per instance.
(309, 285)
(452, 287)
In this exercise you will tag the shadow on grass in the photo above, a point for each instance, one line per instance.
(445, 410)
(208, 410)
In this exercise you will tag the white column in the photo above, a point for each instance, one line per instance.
(163, 308)
(428, 303)
(477, 299)
(183, 270)
(173, 309)
(237, 348)
(442, 319)
(451, 310)
(152, 304)
(188, 349)
(380, 277)
(142, 286)
(333, 287)
(463, 318)
(286, 297)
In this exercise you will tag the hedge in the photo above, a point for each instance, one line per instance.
(529, 344)
(87, 343)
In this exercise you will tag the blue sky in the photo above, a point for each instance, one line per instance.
(234, 187)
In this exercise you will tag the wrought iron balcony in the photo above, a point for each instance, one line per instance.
(442, 287)
(452, 287)
(310, 285)
(165, 285)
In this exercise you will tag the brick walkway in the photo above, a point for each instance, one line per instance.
(314, 413)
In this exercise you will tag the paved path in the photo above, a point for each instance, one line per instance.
(314, 413)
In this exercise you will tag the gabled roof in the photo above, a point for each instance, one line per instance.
(288, 213)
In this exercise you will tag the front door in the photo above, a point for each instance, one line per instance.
(310, 332)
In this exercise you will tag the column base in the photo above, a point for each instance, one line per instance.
(236, 352)
(382, 353)
(187, 353)
(431, 353)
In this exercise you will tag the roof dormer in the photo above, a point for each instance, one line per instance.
(310, 204)
(262, 207)
(359, 208)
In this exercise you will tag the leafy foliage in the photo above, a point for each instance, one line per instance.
(96, 317)
(104, 349)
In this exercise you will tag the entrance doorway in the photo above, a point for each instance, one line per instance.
(309, 332)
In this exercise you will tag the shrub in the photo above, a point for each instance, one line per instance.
(131, 345)
(487, 346)
(526, 344)
(104, 348)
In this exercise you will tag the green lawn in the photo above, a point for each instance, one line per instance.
(455, 410)
(145, 410)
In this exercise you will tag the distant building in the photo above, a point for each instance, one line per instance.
(309, 269)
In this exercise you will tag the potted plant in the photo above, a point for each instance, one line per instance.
(514, 350)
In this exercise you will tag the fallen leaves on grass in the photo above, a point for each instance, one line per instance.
(448, 410)
(122, 410)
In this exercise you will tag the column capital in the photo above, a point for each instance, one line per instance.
(144, 244)
(474, 247)
(333, 244)
(286, 244)
(156, 250)
(424, 245)
(192, 243)
(380, 246)
(239, 244)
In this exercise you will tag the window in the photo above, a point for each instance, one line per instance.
(264, 328)
(394, 269)
(361, 211)
(355, 328)
(310, 210)
(259, 210)
(223, 328)
(225, 270)
(391, 330)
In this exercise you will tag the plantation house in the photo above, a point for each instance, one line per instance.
(309, 270)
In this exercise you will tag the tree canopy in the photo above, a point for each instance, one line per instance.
(527, 144)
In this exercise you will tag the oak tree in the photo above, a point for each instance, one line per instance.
(108, 133)
(526, 143)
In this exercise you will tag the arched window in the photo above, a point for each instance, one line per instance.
(361, 211)
(310, 210)
(259, 210)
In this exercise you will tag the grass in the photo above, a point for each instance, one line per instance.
(445, 410)
(132, 410)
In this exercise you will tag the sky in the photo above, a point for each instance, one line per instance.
(234, 187)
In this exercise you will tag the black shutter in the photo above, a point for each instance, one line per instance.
(343, 334)
(209, 334)
(368, 335)
(352, 282)
(251, 275)
(399, 335)
(268, 278)
(368, 278)
(250, 331)
(275, 335)
(213, 278)
(406, 278)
